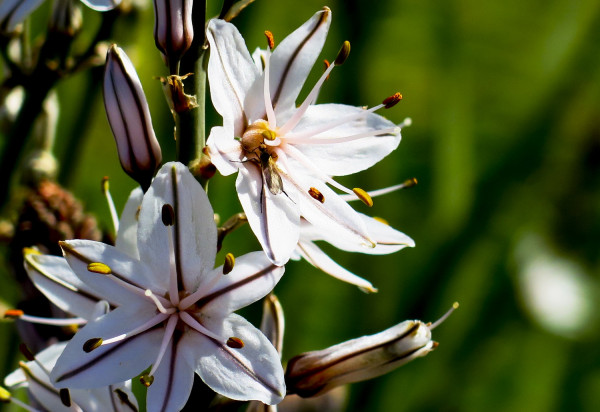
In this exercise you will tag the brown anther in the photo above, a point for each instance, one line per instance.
(343, 53)
(26, 352)
(92, 344)
(99, 267)
(435, 345)
(363, 196)
(229, 263)
(392, 100)
(315, 194)
(270, 39)
(168, 215)
(326, 65)
(235, 343)
(147, 380)
(13, 313)
(65, 397)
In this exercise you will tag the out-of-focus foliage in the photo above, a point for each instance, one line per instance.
(505, 143)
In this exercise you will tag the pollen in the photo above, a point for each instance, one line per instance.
(391, 101)
(13, 313)
(315, 194)
(168, 215)
(92, 344)
(229, 263)
(363, 196)
(99, 267)
(235, 343)
(270, 39)
(147, 380)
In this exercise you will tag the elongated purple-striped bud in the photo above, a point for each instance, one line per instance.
(129, 118)
(173, 30)
(314, 373)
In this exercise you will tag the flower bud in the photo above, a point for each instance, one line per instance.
(314, 373)
(129, 117)
(173, 30)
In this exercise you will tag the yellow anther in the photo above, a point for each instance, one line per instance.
(229, 263)
(147, 380)
(13, 313)
(30, 251)
(4, 395)
(270, 39)
(104, 185)
(392, 100)
(92, 344)
(269, 135)
(235, 343)
(99, 267)
(343, 53)
(168, 215)
(410, 182)
(315, 194)
(381, 220)
(455, 305)
(363, 196)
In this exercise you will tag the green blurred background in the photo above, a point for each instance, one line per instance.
(505, 143)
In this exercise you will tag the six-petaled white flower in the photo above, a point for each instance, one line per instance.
(286, 155)
(172, 309)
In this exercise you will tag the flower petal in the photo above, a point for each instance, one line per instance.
(341, 159)
(274, 219)
(128, 224)
(111, 363)
(173, 380)
(16, 11)
(193, 234)
(225, 151)
(389, 240)
(293, 59)
(231, 72)
(320, 260)
(53, 276)
(253, 372)
(252, 278)
(333, 214)
(135, 275)
(101, 5)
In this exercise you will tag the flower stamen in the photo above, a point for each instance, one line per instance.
(19, 314)
(161, 308)
(229, 263)
(169, 329)
(443, 318)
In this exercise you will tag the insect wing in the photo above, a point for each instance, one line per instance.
(270, 175)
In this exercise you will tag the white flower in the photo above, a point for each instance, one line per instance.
(286, 155)
(172, 309)
(13, 12)
(34, 376)
(389, 240)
